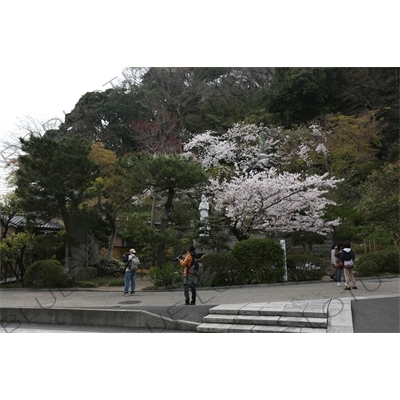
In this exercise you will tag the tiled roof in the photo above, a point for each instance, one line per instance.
(19, 221)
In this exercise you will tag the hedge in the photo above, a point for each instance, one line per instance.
(46, 274)
(305, 267)
(261, 260)
(378, 263)
(221, 269)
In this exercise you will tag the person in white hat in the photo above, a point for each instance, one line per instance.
(131, 266)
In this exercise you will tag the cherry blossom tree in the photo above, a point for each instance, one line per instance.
(271, 202)
(251, 186)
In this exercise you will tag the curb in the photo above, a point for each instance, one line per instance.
(89, 317)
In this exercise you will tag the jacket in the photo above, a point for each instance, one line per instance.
(186, 263)
(347, 254)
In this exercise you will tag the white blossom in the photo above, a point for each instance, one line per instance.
(255, 195)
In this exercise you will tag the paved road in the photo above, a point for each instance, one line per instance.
(375, 304)
(376, 315)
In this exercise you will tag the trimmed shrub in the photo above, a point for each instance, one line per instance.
(378, 262)
(305, 267)
(115, 267)
(46, 274)
(169, 275)
(261, 260)
(366, 267)
(221, 269)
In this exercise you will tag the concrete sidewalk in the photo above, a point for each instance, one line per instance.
(169, 304)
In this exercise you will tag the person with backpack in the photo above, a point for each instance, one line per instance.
(189, 274)
(347, 257)
(131, 265)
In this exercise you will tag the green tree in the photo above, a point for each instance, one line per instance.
(238, 94)
(167, 175)
(207, 98)
(352, 142)
(298, 95)
(180, 91)
(53, 177)
(105, 117)
(215, 236)
(9, 207)
(109, 193)
(380, 201)
(377, 90)
(16, 253)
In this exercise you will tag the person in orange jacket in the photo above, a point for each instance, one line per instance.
(189, 280)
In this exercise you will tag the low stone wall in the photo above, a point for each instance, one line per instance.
(12, 317)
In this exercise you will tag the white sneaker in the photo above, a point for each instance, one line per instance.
(338, 283)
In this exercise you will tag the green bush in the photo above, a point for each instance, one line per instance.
(221, 269)
(261, 260)
(115, 267)
(46, 274)
(378, 262)
(366, 267)
(305, 267)
(169, 275)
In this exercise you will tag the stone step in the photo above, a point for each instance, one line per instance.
(276, 317)
(274, 320)
(238, 328)
(272, 309)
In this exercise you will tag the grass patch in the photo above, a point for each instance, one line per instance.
(86, 284)
(116, 282)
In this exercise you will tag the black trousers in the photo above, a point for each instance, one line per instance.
(189, 287)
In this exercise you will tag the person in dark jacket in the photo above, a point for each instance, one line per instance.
(347, 256)
(339, 264)
(189, 280)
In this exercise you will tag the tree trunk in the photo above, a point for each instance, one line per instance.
(164, 226)
(239, 235)
(113, 223)
(153, 210)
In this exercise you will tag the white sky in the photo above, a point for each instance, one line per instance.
(46, 46)
(42, 94)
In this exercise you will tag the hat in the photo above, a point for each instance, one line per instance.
(132, 251)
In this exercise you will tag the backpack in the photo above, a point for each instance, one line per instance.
(194, 269)
(133, 263)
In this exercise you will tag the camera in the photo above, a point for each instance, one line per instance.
(177, 258)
